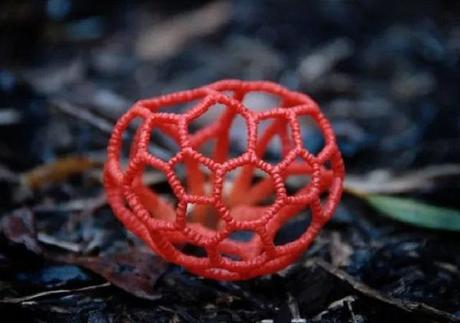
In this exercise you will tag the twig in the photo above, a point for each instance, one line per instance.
(76, 205)
(404, 305)
(294, 309)
(103, 125)
(335, 305)
(84, 115)
(350, 308)
(382, 181)
(28, 298)
(52, 241)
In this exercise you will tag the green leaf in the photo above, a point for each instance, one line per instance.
(414, 212)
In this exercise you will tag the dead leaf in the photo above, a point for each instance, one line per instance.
(167, 38)
(19, 227)
(135, 271)
(57, 171)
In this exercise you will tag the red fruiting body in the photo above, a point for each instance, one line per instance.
(259, 207)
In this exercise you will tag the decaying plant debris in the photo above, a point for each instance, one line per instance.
(388, 80)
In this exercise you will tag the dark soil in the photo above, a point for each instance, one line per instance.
(386, 73)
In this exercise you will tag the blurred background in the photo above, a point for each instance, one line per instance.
(386, 73)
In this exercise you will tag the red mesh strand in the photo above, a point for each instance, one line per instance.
(208, 211)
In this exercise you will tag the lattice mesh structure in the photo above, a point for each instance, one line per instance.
(230, 209)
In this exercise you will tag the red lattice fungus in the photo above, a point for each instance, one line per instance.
(228, 216)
